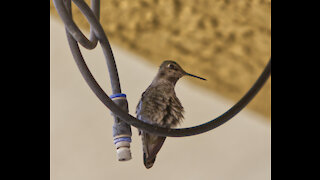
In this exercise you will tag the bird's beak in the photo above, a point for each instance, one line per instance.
(195, 76)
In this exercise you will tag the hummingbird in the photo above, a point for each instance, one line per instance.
(160, 106)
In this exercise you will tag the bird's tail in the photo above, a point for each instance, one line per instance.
(151, 146)
(148, 163)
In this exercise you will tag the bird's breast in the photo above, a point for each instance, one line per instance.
(160, 107)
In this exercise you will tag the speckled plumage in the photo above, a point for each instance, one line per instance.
(160, 106)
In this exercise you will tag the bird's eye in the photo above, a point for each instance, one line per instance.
(171, 66)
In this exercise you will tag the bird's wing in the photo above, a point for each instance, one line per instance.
(152, 107)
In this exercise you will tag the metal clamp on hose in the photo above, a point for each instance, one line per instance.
(121, 130)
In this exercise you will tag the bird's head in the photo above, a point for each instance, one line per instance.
(172, 71)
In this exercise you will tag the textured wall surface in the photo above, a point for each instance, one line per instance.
(226, 41)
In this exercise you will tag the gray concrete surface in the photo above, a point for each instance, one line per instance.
(81, 126)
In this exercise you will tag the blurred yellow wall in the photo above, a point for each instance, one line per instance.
(226, 41)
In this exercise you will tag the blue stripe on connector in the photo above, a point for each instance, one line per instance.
(122, 139)
(117, 95)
